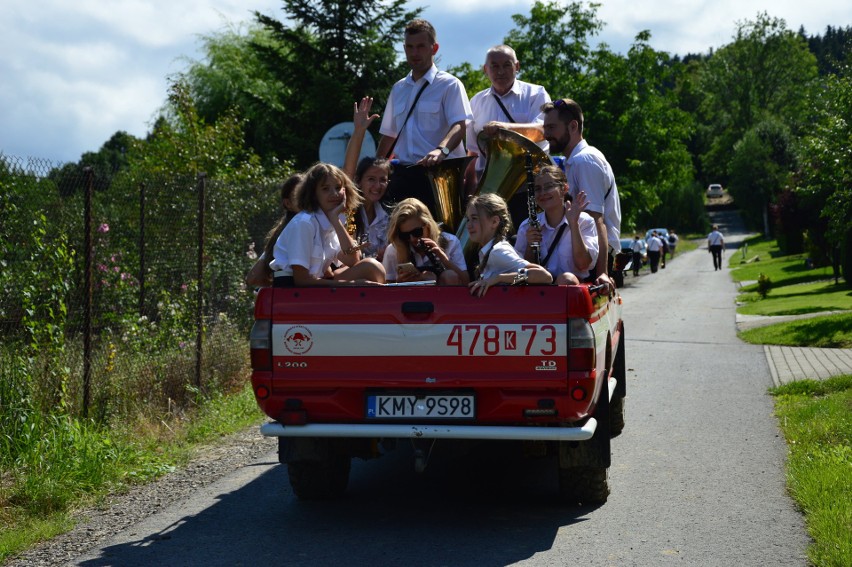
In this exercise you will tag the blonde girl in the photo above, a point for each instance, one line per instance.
(314, 249)
(414, 238)
(488, 224)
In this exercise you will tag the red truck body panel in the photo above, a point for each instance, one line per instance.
(334, 350)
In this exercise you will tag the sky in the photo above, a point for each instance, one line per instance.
(74, 73)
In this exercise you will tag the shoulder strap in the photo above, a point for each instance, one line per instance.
(502, 106)
(553, 244)
(407, 116)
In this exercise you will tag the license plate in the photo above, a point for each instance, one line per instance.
(429, 407)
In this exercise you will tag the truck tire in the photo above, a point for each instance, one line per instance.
(616, 405)
(320, 480)
(583, 485)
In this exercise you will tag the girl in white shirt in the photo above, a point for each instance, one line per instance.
(315, 249)
(414, 237)
(567, 236)
(371, 175)
(488, 224)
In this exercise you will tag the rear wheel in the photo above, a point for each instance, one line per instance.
(583, 485)
(318, 480)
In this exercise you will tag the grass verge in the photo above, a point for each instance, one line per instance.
(816, 419)
(36, 499)
(831, 331)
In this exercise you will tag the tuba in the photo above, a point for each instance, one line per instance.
(447, 181)
(506, 170)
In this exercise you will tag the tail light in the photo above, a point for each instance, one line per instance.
(581, 345)
(261, 344)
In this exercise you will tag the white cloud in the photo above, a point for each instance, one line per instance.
(74, 73)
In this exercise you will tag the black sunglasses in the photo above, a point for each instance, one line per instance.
(416, 233)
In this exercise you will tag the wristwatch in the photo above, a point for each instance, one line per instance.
(444, 150)
(521, 278)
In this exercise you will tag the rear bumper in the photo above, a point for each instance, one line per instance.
(446, 431)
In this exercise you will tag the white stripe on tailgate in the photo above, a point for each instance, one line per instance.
(419, 340)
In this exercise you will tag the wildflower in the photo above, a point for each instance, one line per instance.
(103, 228)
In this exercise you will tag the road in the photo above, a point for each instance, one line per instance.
(697, 476)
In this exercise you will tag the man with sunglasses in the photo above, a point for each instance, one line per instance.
(588, 171)
(424, 119)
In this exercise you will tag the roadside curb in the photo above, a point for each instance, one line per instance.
(789, 364)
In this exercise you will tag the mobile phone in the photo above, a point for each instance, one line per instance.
(407, 267)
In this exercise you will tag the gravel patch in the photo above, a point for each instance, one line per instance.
(93, 526)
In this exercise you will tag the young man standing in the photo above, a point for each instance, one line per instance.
(587, 171)
(425, 117)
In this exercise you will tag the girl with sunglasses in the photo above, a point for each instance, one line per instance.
(488, 224)
(370, 175)
(314, 249)
(414, 237)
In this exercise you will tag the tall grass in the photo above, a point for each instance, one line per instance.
(144, 411)
(816, 418)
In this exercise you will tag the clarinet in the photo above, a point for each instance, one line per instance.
(437, 267)
(531, 206)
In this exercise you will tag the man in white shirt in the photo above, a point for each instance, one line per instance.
(715, 243)
(507, 103)
(655, 246)
(424, 119)
(588, 171)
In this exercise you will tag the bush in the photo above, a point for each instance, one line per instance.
(764, 284)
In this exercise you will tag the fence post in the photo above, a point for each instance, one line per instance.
(141, 249)
(199, 312)
(87, 294)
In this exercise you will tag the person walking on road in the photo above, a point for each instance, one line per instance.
(636, 247)
(655, 246)
(715, 243)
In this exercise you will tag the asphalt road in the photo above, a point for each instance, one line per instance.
(697, 476)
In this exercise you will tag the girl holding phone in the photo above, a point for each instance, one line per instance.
(414, 238)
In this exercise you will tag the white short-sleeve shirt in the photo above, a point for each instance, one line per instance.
(377, 231)
(562, 259)
(502, 259)
(443, 103)
(523, 101)
(588, 170)
(309, 241)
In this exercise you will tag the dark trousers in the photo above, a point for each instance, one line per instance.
(411, 182)
(654, 259)
(716, 251)
(637, 263)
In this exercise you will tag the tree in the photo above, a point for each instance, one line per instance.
(632, 115)
(762, 74)
(334, 53)
(825, 172)
(760, 166)
(552, 45)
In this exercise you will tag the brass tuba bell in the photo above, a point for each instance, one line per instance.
(505, 169)
(447, 181)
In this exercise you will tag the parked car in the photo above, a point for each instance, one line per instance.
(714, 190)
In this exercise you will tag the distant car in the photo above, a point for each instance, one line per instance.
(627, 247)
(714, 190)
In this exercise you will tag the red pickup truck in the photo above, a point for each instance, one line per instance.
(347, 372)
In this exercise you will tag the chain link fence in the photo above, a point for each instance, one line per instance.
(122, 292)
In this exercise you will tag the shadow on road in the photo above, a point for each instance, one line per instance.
(479, 509)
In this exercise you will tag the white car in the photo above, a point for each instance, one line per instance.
(714, 190)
